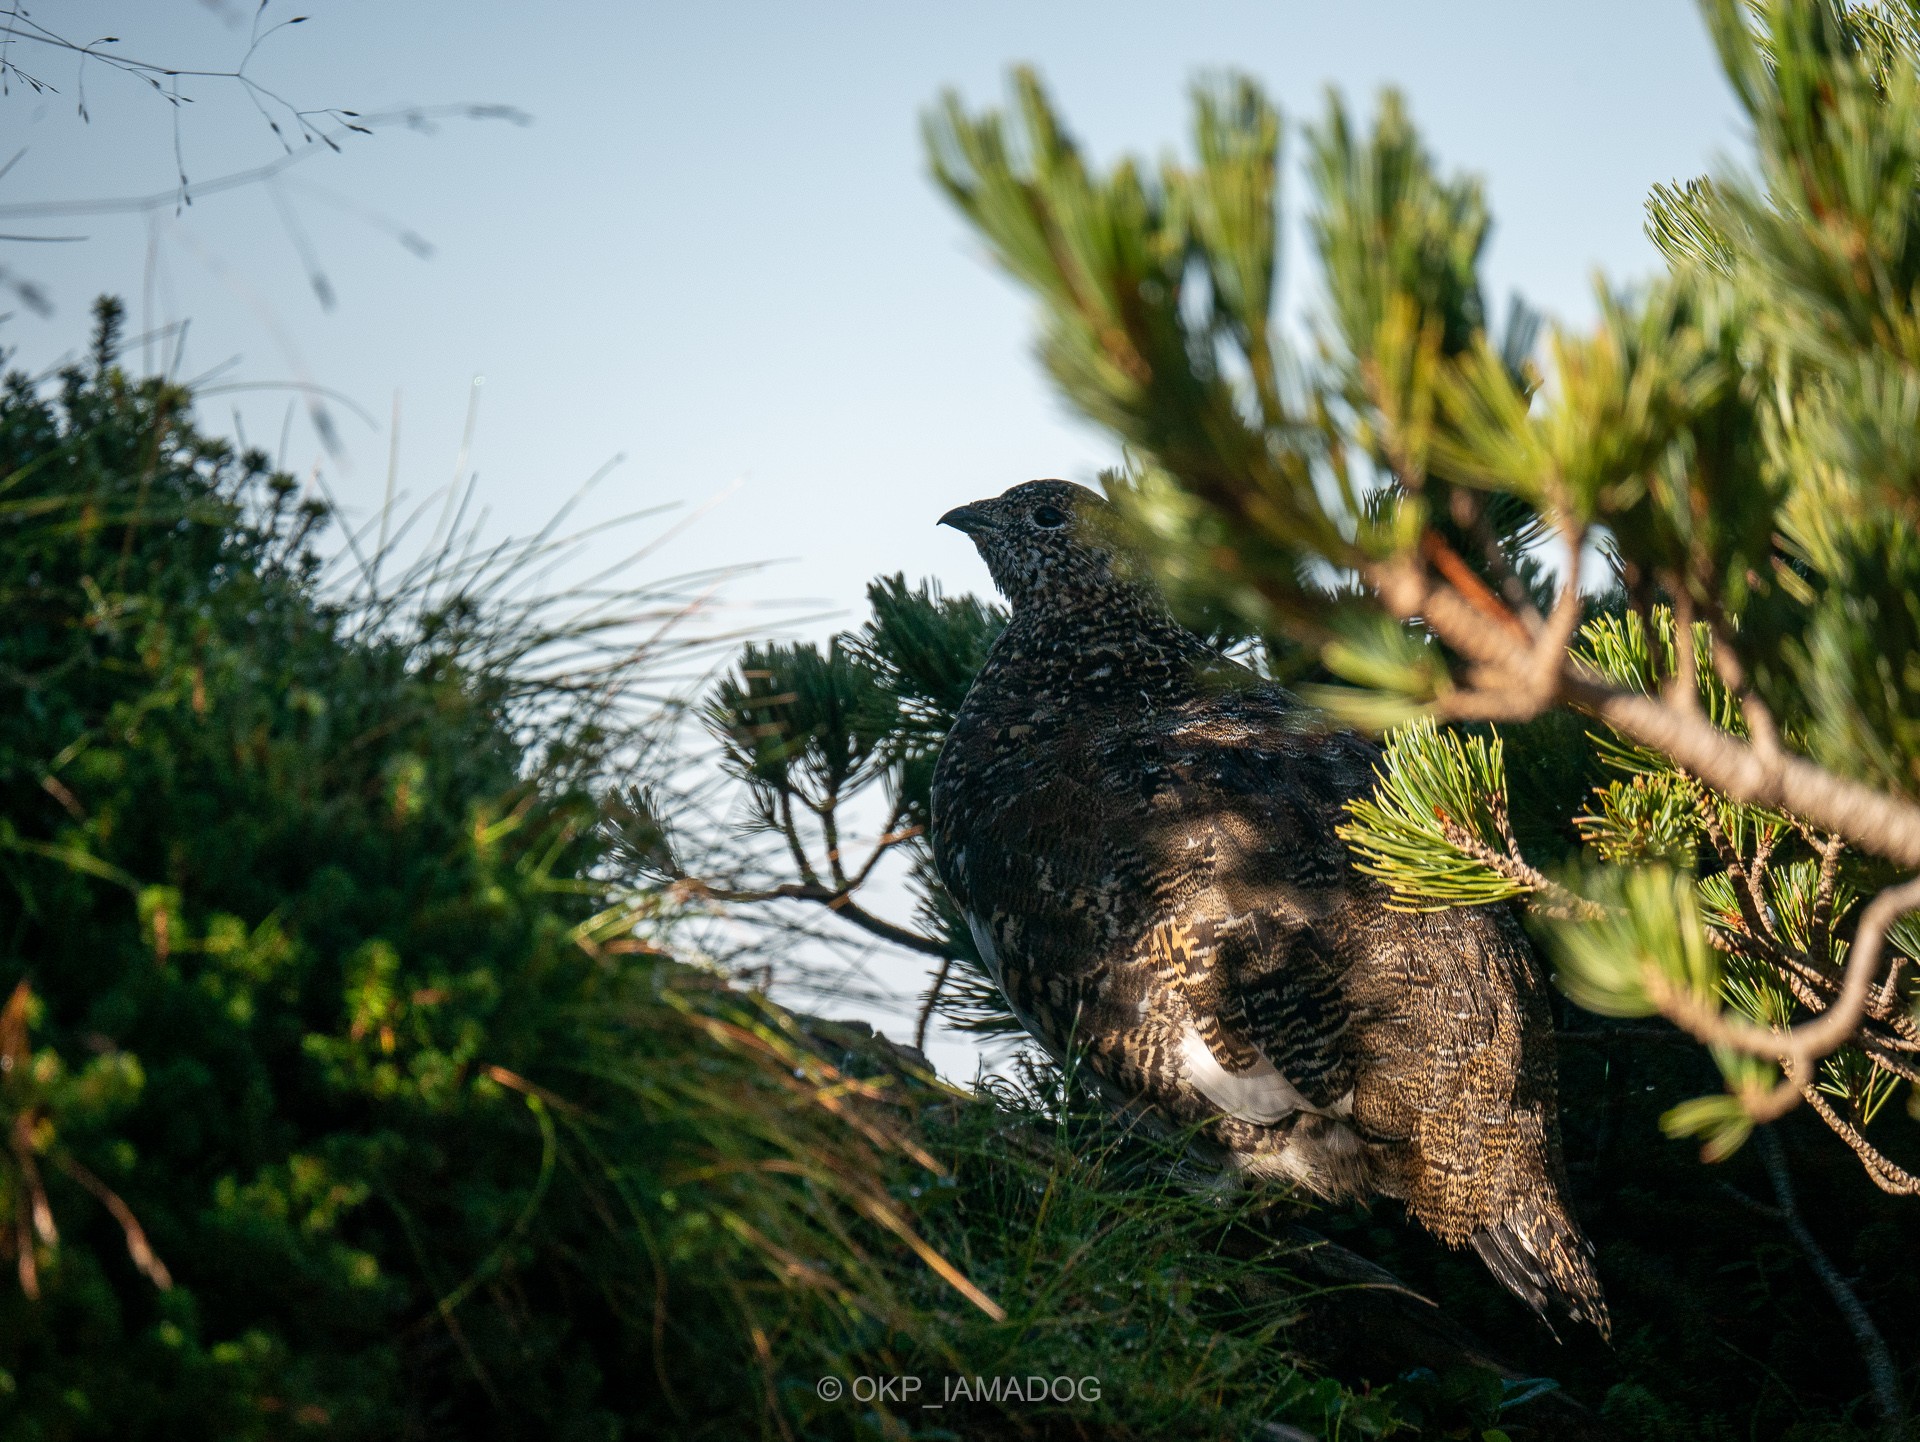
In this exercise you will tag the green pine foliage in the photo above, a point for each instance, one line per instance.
(1436, 829)
(898, 682)
(1328, 507)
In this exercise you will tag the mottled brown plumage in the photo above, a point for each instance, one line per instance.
(1141, 834)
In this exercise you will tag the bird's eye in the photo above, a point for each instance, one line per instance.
(1052, 517)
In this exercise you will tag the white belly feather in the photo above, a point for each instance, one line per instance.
(1262, 1095)
(1259, 1095)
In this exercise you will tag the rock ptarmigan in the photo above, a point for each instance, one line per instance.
(1141, 835)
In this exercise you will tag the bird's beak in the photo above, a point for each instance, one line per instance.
(968, 520)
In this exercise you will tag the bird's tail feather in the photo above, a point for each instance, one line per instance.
(1540, 1255)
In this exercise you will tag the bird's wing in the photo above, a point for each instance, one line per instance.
(1189, 851)
(1252, 875)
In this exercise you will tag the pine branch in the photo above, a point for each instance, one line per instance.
(1430, 828)
(1470, 514)
(1886, 1175)
(1515, 677)
(1748, 897)
(1517, 682)
(1546, 895)
(1799, 1048)
(1820, 930)
(1732, 431)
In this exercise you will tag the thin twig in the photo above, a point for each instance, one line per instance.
(1763, 845)
(1683, 687)
(839, 902)
(1890, 988)
(894, 835)
(1762, 731)
(33, 1214)
(1883, 1376)
(1891, 1056)
(138, 1248)
(1820, 927)
(828, 812)
(1446, 560)
(1470, 514)
(1552, 899)
(1745, 894)
(926, 1006)
(791, 831)
(1758, 1208)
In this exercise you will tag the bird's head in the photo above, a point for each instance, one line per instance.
(1044, 542)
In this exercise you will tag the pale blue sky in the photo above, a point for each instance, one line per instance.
(715, 250)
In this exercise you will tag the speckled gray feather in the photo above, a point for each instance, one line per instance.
(1141, 834)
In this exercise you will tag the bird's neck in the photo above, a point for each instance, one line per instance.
(1122, 642)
